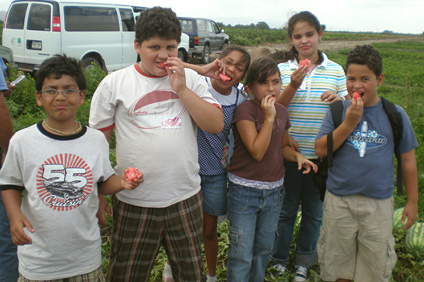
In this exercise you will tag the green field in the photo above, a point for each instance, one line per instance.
(403, 84)
(253, 37)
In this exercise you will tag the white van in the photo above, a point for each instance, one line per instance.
(98, 31)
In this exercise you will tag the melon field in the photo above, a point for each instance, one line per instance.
(403, 59)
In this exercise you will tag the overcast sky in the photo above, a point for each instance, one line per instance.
(405, 16)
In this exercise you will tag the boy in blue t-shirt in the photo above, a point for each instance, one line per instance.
(356, 241)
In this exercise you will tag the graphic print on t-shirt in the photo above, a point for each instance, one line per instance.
(64, 182)
(364, 139)
(157, 109)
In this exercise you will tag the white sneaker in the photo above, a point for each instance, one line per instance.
(167, 273)
(211, 278)
(301, 274)
(281, 269)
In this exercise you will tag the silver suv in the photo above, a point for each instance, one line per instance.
(205, 37)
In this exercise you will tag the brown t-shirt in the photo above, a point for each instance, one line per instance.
(271, 167)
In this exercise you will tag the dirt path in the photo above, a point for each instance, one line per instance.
(335, 45)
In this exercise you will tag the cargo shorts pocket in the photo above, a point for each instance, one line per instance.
(321, 245)
(391, 258)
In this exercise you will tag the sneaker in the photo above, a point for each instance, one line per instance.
(301, 274)
(281, 269)
(167, 273)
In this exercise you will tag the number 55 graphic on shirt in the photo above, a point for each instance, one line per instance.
(64, 182)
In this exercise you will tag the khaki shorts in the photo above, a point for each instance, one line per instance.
(356, 240)
(95, 276)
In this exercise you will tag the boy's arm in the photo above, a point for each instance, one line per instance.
(6, 128)
(207, 116)
(340, 134)
(409, 175)
(103, 203)
(117, 183)
(18, 221)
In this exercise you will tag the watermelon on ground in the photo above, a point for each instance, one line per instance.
(414, 240)
(397, 217)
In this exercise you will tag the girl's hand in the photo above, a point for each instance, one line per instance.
(268, 106)
(303, 162)
(131, 184)
(293, 144)
(330, 96)
(17, 225)
(298, 76)
(176, 74)
(213, 69)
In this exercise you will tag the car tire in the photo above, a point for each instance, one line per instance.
(225, 45)
(206, 53)
(87, 63)
(181, 55)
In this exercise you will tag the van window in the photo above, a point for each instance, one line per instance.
(187, 26)
(127, 19)
(90, 19)
(39, 17)
(16, 16)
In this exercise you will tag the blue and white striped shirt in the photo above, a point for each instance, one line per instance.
(306, 110)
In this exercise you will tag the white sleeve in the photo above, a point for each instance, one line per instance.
(199, 86)
(11, 172)
(103, 106)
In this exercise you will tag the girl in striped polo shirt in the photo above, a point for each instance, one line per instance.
(307, 91)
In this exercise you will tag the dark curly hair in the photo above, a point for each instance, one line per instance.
(260, 70)
(57, 66)
(366, 55)
(157, 21)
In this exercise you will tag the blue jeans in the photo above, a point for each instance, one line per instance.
(253, 216)
(8, 250)
(214, 194)
(299, 189)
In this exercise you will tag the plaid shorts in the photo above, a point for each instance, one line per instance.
(139, 232)
(95, 276)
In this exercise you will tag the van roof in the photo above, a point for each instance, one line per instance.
(116, 2)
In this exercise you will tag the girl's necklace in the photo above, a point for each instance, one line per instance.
(61, 132)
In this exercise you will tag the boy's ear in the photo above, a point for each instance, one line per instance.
(380, 79)
(38, 99)
(82, 96)
(137, 46)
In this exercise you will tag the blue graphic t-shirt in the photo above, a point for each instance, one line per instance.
(364, 164)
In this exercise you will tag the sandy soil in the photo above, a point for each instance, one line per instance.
(335, 45)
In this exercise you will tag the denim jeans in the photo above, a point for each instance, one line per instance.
(299, 189)
(253, 216)
(8, 250)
